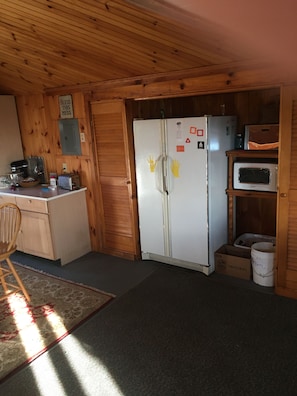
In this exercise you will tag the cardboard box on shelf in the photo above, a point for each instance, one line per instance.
(233, 261)
(261, 137)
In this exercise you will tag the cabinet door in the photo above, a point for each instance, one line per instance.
(286, 252)
(35, 235)
(114, 180)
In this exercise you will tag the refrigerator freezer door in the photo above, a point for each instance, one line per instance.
(148, 159)
(187, 150)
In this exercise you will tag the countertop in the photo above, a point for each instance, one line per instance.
(39, 192)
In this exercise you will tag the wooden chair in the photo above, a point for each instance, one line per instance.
(10, 222)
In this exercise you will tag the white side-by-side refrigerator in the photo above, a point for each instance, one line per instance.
(181, 174)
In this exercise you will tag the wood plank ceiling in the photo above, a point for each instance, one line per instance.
(46, 44)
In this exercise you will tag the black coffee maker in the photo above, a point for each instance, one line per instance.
(19, 171)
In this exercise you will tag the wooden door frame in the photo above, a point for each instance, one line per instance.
(283, 185)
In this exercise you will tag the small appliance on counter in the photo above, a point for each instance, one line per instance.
(19, 167)
(69, 181)
(19, 171)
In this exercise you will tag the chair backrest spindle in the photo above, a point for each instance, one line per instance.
(10, 221)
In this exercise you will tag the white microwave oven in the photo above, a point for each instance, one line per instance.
(255, 176)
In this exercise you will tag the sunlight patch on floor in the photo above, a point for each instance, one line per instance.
(106, 384)
(86, 374)
(71, 350)
(31, 336)
(24, 319)
(48, 384)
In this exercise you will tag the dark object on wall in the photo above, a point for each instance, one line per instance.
(69, 135)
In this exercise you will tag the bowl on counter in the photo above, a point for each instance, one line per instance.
(28, 183)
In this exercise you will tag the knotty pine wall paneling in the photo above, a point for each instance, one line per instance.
(37, 139)
(38, 116)
(251, 107)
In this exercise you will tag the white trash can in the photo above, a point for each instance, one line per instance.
(263, 258)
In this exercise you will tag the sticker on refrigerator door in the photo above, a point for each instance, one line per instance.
(196, 131)
(200, 145)
(175, 165)
(180, 148)
(188, 140)
(152, 164)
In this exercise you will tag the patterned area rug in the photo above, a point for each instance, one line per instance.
(56, 308)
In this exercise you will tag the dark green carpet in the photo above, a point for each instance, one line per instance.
(181, 333)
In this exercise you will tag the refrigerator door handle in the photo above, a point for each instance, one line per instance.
(159, 174)
(164, 172)
(168, 172)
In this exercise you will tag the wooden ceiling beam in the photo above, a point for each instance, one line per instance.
(212, 79)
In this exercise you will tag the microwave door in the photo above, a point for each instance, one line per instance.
(254, 176)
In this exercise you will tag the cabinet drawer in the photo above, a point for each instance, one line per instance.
(32, 205)
(7, 198)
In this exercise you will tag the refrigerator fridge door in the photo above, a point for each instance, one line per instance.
(187, 202)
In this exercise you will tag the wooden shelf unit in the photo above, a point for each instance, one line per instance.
(235, 155)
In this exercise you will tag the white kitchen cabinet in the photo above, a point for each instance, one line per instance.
(54, 226)
(35, 236)
(11, 144)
